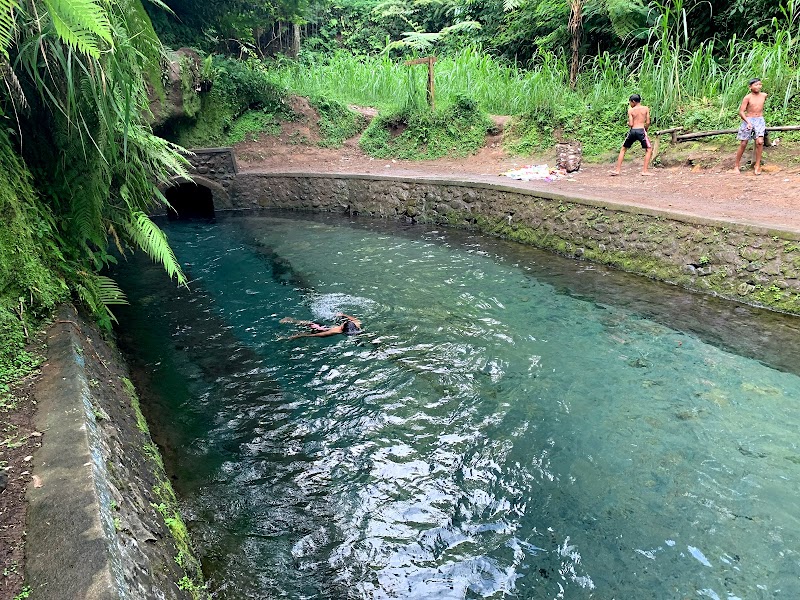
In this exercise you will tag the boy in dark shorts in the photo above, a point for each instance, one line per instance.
(752, 127)
(638, 121)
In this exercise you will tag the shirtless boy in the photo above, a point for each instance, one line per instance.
(638, 121)
(751, 111)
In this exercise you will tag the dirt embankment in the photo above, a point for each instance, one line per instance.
(687, 177)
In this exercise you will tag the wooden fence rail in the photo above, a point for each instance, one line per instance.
(700, 134)
(678, 137)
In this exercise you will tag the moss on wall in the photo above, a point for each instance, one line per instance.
(30, 282)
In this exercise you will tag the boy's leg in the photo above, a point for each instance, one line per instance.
(648, 153)
(759, 151)
(619, 161)
(739, 153)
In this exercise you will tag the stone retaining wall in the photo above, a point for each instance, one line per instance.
(751, 264)
(103, 521)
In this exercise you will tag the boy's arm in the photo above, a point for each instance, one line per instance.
(647, 120)
(630, 117)
(327, 333)
(743, 108)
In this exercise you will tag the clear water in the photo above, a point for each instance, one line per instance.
(510, 424)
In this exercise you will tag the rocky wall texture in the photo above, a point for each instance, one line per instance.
(216, 169)
(747, 263)
(103, 521)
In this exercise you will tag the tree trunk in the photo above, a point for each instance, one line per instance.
(295, 51)
(575, 30)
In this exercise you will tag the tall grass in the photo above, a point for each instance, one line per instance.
(698, 88)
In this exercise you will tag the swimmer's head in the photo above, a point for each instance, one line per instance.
(350, 328)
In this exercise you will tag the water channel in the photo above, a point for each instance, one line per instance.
(510, 424)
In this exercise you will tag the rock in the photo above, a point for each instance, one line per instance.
(569, 156)
(182, 83)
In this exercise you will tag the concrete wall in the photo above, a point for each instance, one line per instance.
(213, 168)
(750, 264)
(103, 521)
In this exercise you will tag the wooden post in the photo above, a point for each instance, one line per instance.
(430, 60)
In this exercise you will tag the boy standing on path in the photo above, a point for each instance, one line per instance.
(751, 111)
(638, 121)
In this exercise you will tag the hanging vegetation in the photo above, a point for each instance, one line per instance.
(80, 164)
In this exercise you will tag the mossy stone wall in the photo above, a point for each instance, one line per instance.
(751, 264)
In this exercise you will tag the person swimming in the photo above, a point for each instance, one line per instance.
(350, 326)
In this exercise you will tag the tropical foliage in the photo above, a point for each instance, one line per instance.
(81, 166)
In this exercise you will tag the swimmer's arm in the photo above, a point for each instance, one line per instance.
(329, 332)
(630, 117)
(647, 119)
(349, 318)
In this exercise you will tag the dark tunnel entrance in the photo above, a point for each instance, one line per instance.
(190, 201)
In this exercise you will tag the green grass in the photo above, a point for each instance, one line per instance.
(417, 133)
(698, 89)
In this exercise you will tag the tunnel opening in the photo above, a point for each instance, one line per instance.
(190, 201)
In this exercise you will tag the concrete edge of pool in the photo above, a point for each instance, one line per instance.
(751, 263)
(99, 500)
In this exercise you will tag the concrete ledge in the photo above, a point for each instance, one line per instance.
(98, 506)
(629, 207)
(67, 545)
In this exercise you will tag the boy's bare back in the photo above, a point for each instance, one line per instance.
(639, 117)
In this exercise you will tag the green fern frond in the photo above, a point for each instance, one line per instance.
(152, 240)
(109, 293)
(7, 25)
(422, 40)
(509, 5)
(462, 26)
(81, 24)
(628, 18)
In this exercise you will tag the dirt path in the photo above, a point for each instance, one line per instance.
(771, 199)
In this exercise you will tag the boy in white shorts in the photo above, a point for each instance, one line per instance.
(753, 126)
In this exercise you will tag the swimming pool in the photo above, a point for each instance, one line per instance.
(510, 423)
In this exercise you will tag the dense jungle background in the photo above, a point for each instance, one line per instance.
(99, 96)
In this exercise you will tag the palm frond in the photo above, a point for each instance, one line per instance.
(152, 240)
(81, 24)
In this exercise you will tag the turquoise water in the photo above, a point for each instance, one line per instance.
(509, 425)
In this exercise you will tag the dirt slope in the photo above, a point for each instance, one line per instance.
(687, 178)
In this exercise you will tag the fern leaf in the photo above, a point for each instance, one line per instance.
(628, 18)
(81, 24)
(7, 25)
(108, 292)
(152, 240)
(462, 26)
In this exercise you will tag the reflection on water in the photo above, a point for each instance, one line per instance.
(510, 424)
